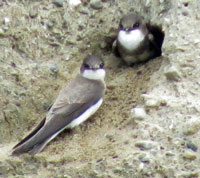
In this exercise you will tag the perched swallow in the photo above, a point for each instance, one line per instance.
(74, 104)
(134, 42)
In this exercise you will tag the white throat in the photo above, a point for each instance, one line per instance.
(98, 74)
(130, 40)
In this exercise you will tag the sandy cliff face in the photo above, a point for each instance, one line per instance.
(42, 44)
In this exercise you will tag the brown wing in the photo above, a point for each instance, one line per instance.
(79, 91)
(45, 130)
(62, 112)
(38, 127)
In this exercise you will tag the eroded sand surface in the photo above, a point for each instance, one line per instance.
(42, 45)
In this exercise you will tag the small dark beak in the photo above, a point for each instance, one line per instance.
(126, 29)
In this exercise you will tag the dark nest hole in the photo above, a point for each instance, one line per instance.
(158, 38)
(158, 35)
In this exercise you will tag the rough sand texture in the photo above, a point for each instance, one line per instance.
(41, 49)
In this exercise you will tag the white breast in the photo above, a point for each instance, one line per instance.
(98, 74)
(130, 40)
(85, 115)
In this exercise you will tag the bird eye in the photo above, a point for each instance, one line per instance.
(86, 66)
(101, 65)
(136, 25)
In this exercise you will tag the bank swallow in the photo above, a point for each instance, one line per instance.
(74, 104)
(134, 42)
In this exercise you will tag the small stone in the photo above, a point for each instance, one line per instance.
(169, 153)
(192, 146)
(192, 126)
(144, 158)
(74, 2)
(96, 4)
(33, 12)
(152, 103)
(185, 12)
(16, 75)
(189, 155)
(54, 68)
(83, 11)
(50, 24)
(126, 142)
(118, 170)
(172, 74)
(190, 175)
(13, 64)
(109, 137)
(5, 29)
(138, 113)
(1, 32)
(6, 20)
(58, 3)
(145, 145)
